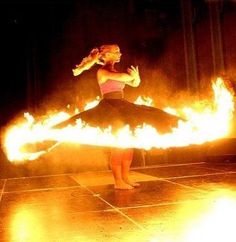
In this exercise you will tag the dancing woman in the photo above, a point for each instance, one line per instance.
(113, 110)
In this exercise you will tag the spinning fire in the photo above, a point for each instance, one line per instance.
(202, 124)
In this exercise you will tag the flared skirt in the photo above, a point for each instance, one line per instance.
(118, 113)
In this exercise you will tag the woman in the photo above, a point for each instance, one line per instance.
(113, 110)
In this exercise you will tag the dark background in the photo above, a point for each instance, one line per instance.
(179, 46)
(43, 40)
(171, 41)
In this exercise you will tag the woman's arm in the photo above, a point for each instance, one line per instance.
(130, 78)
(87, 62)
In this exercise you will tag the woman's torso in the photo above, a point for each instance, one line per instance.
(109, 85)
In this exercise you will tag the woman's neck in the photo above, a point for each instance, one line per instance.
(109, 66)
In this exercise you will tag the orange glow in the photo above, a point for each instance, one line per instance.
(203, 124)
(144, 101)
(26, 225)
(211, 219)
(216, 224)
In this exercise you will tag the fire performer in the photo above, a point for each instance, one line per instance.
(113, 110)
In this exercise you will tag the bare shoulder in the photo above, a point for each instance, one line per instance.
(101, 75)
(103, 71)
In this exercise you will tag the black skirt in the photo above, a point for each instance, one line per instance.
(119, 112)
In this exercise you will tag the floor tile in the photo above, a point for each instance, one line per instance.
(1, 184)
(150, 192)
(85, 226)
(198, 220)
(32, 183)
(224, 166)
(69, 200)
(216, 183)
(176, 171)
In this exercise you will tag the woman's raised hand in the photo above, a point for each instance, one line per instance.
(134, 72)
(94, 53)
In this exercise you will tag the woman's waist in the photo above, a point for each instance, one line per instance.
(114, 95)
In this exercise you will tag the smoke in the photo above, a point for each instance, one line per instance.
(163, 88)
(59, 162)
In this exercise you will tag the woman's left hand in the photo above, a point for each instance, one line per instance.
(134, 72)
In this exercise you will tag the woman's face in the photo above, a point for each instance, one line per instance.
(113, 54)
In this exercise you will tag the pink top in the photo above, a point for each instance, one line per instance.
(111, 86)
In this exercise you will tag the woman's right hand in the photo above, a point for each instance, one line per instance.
(95, 55)
(134, 72)
(87, 62)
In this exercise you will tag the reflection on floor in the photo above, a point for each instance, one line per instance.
(175, 203)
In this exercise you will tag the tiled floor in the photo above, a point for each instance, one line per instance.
(175, 203)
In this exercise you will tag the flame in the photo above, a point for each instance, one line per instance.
(144, 101)
(203, 124)
(92, 104)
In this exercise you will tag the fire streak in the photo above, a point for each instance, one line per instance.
(202, 125)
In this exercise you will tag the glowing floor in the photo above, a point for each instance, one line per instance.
(183, 203)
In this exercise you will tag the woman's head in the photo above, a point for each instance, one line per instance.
(106, 54)
(110, 53)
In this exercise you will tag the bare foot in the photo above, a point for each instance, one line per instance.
(123, 186)
(133, 184)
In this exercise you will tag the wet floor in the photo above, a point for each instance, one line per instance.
(175, 203)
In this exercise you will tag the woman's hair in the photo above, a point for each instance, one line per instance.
(96, 56)
(107, 48)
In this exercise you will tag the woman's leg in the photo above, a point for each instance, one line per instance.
(125, 167)
(116, 167)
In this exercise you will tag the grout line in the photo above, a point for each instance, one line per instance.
(25, 177)
(176, 177)
(120, 212)
(194, 188)
(82, 185)
(42, 189)
(216, 169)
(166, 165)
(3, 187)
(115, 209)
(200, 175)
(186, 186)
(123, 214)
(159, 204)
